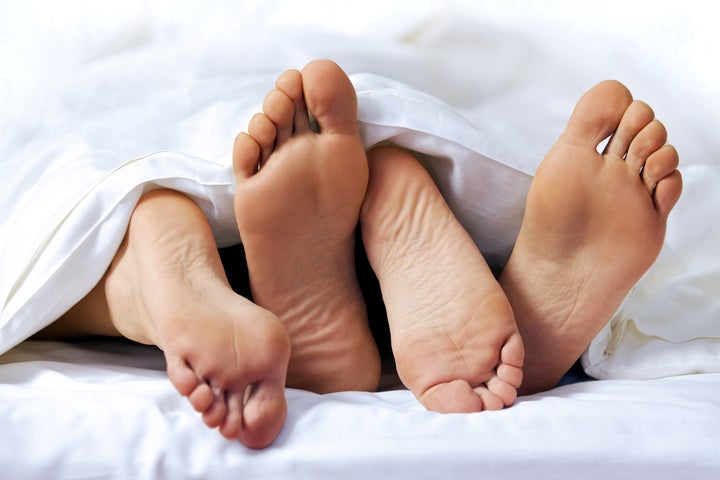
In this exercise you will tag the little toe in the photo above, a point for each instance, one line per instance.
(651, 138)
(597, 114)
(330, 97)
(291, 84)
(280, 109)
(246, 155)
(263, 131)
(637, 115)
(659, 165)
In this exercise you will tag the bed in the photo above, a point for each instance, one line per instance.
(104, 101)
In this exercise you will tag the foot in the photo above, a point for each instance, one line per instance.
(594, 223)
(167, 287)
(453, 334)
(297, 204)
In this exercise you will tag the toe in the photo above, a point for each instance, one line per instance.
(246, 155)
(659, 165)
(232, 423)
(330, 97)
(456, 396)
(635, 118)
(264, 413)
(649, 140)
(512, 357)
(667, 193)
(183, 378)
(504, 391)
(202, 398)
(291, 84)
(510, 374)
(490, 400)
(597, 114)
(263, 131)
(279, 108)
(216, 413)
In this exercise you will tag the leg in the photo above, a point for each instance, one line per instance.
(453, 334)
(297, 204)
(594, 223)
(166, 287)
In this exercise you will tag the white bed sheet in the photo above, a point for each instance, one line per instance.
(102, 102)
(107, 417)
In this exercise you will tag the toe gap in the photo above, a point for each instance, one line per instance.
(247, 393)
(314, 125)
(603, 144)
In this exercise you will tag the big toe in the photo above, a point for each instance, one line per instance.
(263, 415)
(456, 396)
(598, 113)
(330, 97)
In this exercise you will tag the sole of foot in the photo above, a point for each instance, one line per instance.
(594, 223)
(453, 334)
(297, 203)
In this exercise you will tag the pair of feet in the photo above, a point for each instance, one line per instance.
(300, 195)
(594, 223)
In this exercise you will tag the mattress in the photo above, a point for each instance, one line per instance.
(103, 103)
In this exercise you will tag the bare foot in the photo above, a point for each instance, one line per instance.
(166, 286)
(594, 223)
(453, 335)
(297, 205)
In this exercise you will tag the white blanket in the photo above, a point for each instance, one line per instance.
(90, 99)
